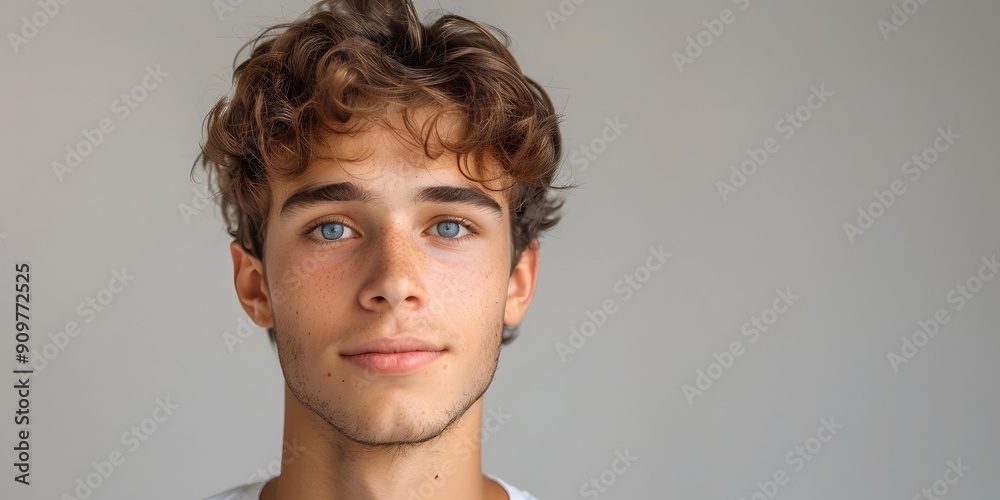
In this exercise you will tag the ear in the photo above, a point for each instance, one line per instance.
(521, 287)
(251, 287)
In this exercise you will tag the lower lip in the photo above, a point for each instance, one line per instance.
(397, 363)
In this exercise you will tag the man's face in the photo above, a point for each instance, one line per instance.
(424, 255)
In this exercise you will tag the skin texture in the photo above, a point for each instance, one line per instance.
(395, 271)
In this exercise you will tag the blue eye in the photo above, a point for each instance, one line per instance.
(448, 229)
(332, 230)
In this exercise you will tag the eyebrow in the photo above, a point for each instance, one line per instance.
(313, 194)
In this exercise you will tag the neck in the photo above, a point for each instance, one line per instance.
(321, 464)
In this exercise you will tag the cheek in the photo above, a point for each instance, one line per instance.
(471, 298)
(305, 285)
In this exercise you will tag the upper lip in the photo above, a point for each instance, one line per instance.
(392, 346)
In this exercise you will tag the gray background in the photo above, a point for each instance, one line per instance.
(654, 185)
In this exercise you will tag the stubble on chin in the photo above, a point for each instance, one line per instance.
(343, 423)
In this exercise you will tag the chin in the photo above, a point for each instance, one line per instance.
(384, 415)
(385, 426)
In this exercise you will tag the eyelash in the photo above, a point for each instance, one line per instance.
(467, 224)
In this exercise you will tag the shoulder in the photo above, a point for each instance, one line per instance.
(245, 492)
(512, 491)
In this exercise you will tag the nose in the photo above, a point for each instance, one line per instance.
(396, 264)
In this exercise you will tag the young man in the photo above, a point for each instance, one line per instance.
(385, 183)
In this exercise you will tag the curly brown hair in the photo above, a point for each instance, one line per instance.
(305, 79)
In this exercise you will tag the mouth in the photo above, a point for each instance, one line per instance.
(394, 363)
(395, 356)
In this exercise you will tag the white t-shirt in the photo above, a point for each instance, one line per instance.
(252, 491)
